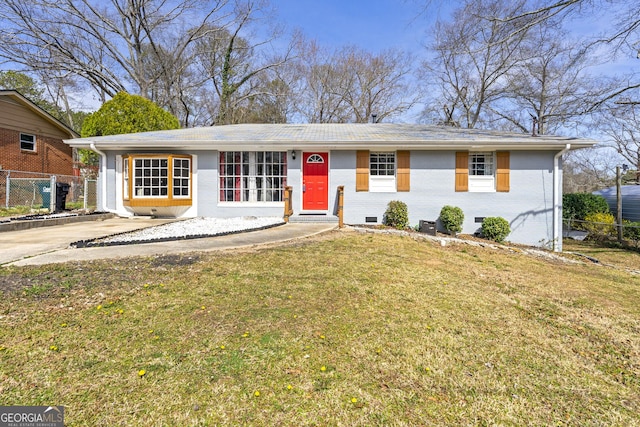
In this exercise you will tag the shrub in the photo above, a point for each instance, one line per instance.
(600, 225)
(396, 215)
(126, 113)
(495, 228)
(632, 232)
(452, 219)
(578, 206)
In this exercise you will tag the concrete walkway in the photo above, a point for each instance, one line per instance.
(47, 245)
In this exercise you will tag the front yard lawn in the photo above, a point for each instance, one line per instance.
(347, 329)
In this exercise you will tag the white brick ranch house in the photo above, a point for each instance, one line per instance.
(237, 170)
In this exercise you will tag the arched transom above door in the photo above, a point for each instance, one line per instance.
(315, 158)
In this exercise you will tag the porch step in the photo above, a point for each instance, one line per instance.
(331, 219)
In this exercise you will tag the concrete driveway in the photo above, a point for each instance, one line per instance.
(46, 245)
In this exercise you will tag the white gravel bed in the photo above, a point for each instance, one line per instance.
(200, 226)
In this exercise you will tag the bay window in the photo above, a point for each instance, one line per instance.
(156, 179)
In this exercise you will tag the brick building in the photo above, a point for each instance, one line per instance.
(31, 145)
(31, 139)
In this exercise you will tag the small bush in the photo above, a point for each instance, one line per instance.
(396, 215)
(452, 219)
(632, 232)
(578, 206)
(600, 225)
(495, 228)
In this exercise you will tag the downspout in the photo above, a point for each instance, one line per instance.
(557, 192)
(103, 172)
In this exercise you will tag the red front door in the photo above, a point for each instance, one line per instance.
(315, 181)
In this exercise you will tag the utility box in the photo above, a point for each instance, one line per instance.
(428, 227)
(44, 187)
(62, 189)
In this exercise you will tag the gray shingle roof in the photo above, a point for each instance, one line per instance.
(327, 136)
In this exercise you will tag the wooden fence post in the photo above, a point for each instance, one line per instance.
(288, 204)
(619, 204)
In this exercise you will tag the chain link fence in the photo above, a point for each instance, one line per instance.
(32, 192)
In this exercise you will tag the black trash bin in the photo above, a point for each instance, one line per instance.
(428, 227)
(62, 189)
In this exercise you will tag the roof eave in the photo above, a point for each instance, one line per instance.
(242, 145)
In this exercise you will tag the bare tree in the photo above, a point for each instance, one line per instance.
(620, 39)
(621, 122)
(319, 82)
(350, 85)
(58, 88)
(543, 75)
(234, 64)
(380, 86)
(589, 169)
(552, 84)
(146, 47)
(169, 79)
(108, 43)
(474, 53)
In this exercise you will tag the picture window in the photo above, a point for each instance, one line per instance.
(248, 176)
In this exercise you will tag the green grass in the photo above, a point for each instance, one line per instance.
(605, 252)
(75, 205)
(351, 329)
(17, 211)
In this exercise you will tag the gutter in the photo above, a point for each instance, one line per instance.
(364, 144)
(103, 173)
(557, 202)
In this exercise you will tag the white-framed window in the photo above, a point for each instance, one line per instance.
(382, 164)
(125, 178)
(382, 171)
(150, 177)
(481, 164)
(27, 142)
(181, 177)
(253, 176)
(482, 171)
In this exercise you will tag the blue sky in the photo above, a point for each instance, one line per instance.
(376, 25)
(373, 24)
